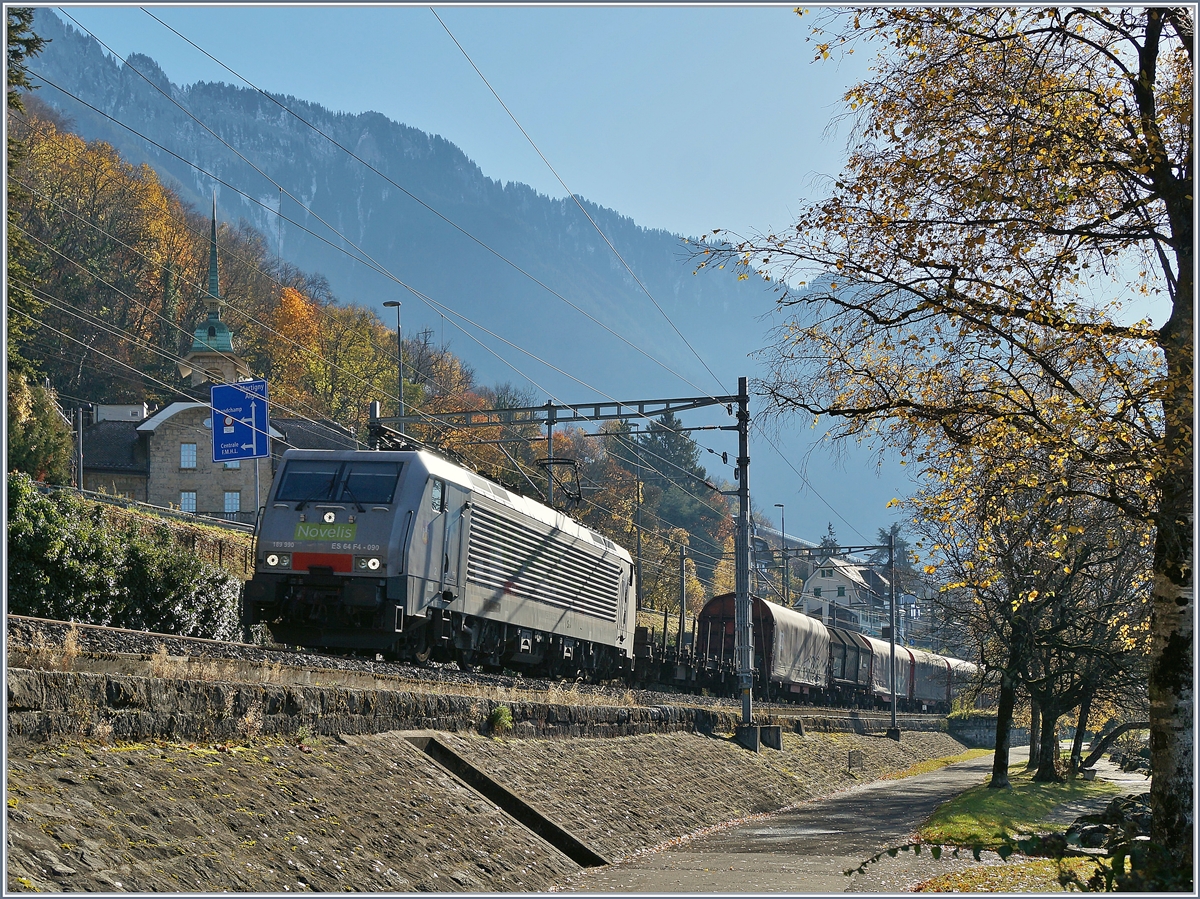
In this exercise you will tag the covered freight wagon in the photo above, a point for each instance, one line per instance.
(881, 670)
(929, 688)
(791, 650)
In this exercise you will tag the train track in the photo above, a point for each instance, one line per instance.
(25, 633)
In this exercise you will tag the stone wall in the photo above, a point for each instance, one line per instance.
(49, 704)
(979, 731)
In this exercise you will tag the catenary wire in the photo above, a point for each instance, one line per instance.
(379, 268)
(386, 352)
(365, 260)
(571, 193)
(604, 237)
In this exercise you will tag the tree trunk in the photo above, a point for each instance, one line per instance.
(1172, 688)
(1047, 769)
(1085, 709)
(1035, 734)
(1004, 712)
(1099, 748)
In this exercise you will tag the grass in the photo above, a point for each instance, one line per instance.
(936, 764)
(986, 817)
(990, 819)
(1038, 875)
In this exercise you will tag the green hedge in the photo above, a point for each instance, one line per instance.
(68, 560)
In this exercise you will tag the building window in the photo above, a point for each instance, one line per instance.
(187, 455)
(817, 592)
(826, 572)
(187, 498)
(236, 463)
(233, 504)
(841, 591)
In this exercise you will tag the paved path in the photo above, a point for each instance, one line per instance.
(805, 850)
(808, 849)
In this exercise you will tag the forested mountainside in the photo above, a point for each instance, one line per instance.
(550, 239)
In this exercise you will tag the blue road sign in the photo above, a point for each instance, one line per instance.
(240, 427)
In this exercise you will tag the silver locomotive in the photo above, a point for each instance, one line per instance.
(404, 553)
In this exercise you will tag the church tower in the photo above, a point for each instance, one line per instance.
(212, 358)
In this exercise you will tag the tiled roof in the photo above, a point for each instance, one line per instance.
(113, 445)
(300, 433)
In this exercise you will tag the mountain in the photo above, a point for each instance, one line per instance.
(240, 137)
(330, 193)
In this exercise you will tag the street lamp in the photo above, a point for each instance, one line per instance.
(787, 601)
(399, 357)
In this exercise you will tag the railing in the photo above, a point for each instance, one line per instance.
(235, 521)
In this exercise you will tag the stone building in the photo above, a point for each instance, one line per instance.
(164, 457)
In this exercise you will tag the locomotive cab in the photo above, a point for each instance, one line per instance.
(329, 553)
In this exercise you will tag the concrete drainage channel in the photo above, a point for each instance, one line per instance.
(507, 801)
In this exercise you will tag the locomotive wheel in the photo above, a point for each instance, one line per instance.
(421, 656)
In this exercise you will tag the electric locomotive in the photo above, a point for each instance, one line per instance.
(404, 553)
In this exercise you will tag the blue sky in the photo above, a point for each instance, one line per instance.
(682, 118)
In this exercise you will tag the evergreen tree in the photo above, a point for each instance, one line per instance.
(23, 307)
(39, 437)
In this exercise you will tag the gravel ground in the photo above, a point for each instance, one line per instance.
(24, 632)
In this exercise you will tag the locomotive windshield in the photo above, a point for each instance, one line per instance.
(370, 482)
(335, 480)
(306, 480)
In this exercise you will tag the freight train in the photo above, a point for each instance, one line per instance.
(405, 553)
(800, 659)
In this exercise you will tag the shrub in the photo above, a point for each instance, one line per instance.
(68, 561)
(500, 721)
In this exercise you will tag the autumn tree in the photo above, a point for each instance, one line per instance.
(105, 236)
(1052, 585)
(40, 440)
(724, 574)
(1019, 179)
(677, 488)
(22, 43)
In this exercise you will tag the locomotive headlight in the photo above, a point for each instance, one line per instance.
(329, 517)
(367, 563)
(279, 560)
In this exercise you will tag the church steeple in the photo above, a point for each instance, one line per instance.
(211, 357)
(214, 287)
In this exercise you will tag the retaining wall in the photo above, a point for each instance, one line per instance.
(980, 732)
(46, 704)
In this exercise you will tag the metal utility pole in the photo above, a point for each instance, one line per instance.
(895, 731)
(549, 453)
(743, 628)
(787, 601)
(79, 453)
(399, 359)
(638, 521)
(682, 599)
